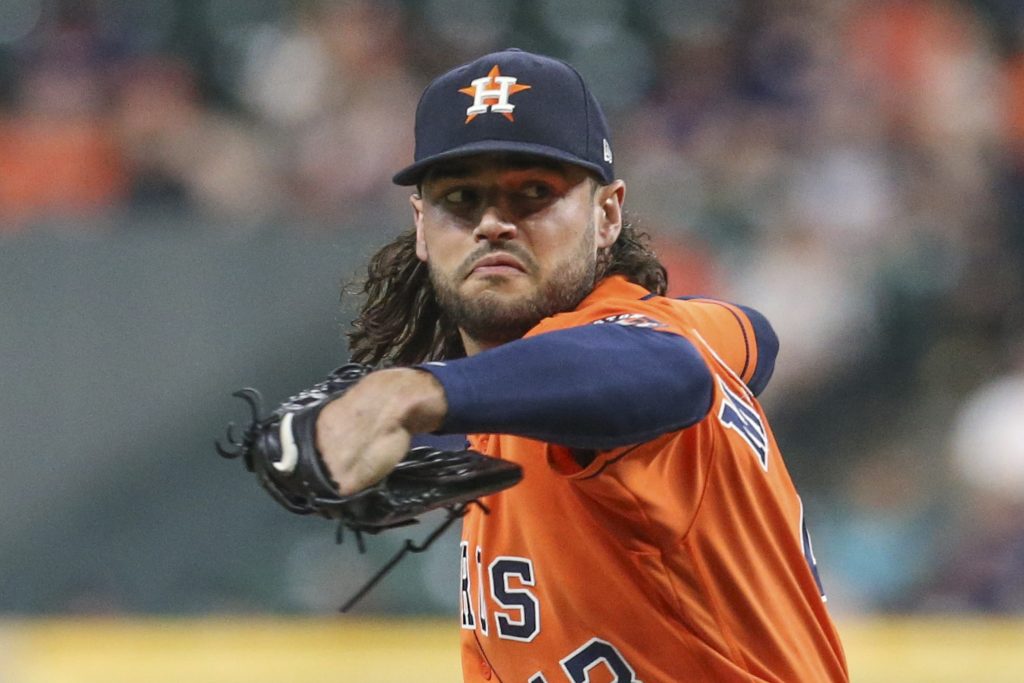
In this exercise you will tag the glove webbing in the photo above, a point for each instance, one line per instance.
(454, 513)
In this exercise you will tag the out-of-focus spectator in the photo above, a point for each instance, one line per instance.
(988, 438)
(933, 67)
(984, 569)
(336, 94)
(183, 154)
(819, 297)
(58, 154)
(58, 157)
(882, 532)
(1014, 103)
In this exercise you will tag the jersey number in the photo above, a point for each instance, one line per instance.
(518, 615)
(593, 654)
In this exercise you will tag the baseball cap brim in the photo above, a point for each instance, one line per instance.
(413, 174)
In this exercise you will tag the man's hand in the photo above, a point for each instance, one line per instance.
(352, 432)
(365, 433)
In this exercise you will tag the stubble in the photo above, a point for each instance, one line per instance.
(491, 319)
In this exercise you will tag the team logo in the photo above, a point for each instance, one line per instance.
(491, 93)
(629, 320)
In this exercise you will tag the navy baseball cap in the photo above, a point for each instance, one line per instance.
(510, 101)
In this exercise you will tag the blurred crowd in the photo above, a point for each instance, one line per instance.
(853, 168)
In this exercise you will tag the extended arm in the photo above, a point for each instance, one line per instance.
(597, 386)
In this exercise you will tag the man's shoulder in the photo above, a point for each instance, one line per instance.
(614, 300)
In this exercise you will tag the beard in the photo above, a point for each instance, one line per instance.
(491, 319)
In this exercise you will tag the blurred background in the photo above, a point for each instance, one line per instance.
(187, 185)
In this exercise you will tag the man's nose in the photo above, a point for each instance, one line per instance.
(494, 225)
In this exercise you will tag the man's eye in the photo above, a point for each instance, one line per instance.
(458, 197)
(536, 191)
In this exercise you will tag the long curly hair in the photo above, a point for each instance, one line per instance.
(401, 322)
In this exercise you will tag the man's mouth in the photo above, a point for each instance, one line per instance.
(497, 264)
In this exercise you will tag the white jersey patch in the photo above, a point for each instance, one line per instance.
(630, 320)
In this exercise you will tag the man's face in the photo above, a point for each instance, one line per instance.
(511, 240)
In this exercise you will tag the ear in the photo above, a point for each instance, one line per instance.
(608, 200)
(417, 217)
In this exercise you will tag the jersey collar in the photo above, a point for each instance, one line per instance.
(614, 287)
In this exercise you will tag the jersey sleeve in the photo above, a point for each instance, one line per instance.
(739, 335)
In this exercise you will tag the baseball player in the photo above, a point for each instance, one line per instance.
(656, 535)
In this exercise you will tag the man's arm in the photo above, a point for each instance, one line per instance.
(594, 387)
(741, 336)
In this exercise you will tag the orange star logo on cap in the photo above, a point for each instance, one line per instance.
(491, 93)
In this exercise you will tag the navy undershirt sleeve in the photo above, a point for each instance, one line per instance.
(767, 350)
(593, 387)
(765, 338)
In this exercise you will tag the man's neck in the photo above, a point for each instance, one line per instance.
(474, 346)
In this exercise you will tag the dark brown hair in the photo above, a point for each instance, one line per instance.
(401, 323)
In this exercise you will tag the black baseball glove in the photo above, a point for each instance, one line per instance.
(281, 450)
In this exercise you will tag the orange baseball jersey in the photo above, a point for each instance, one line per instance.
(685, 558)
